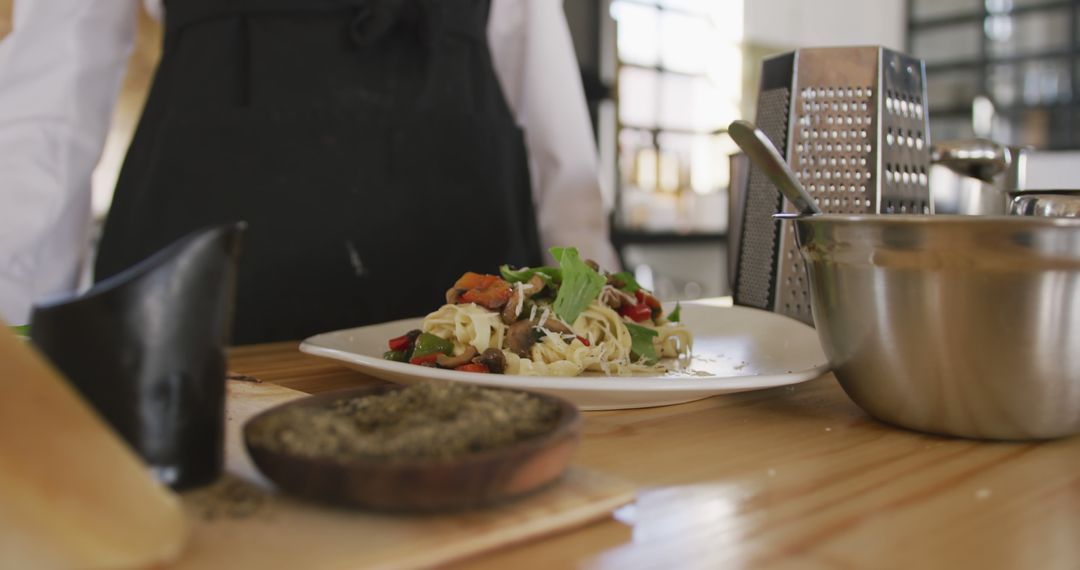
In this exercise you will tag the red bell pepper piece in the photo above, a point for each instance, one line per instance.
(649, 300)
(636, 313)
(401, 342)
(425, 358)
(473, 367)
(583, 340)
(489, 291)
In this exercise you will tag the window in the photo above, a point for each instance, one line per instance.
(678, 85)
(1017, 58)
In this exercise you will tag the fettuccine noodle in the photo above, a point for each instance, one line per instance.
(608, 350)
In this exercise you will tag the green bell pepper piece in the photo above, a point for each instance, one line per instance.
(428, 343)
(396, 355)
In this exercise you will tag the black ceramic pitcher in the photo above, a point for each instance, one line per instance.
(146, 347)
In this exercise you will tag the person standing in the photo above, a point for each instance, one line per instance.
(376, 148)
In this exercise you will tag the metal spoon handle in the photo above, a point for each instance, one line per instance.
(765, 156)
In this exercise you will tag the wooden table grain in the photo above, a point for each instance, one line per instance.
(790, 477)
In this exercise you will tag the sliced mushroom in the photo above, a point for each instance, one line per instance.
(453, 294)
(510, 312)
(534, 286)
(494, 359)
(455, 361)
(594, 265)
(519, 338)
(556, 326)
(615, 298)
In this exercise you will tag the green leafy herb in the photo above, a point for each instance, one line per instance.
(21, 330)
(550, 275)
(674, 316)
(580, 284)
(641, 342)
(630, 285)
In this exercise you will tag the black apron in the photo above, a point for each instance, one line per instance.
(366, 143)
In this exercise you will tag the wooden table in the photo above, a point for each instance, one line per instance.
(796, 476)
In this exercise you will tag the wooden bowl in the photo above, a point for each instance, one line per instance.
(469, 481)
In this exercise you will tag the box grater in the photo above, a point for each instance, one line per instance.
(852, 124)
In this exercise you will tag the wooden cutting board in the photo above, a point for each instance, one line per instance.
(242, 522)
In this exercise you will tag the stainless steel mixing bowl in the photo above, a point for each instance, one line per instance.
(959, 325)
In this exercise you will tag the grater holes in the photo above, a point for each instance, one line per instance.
(906, 207)
(836, 144)
(755, 281)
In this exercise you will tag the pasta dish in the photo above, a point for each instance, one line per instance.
(547, 321)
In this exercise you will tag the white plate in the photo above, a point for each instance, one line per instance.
(735, 349)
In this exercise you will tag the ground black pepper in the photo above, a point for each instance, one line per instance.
(422, 421)
(228, 498)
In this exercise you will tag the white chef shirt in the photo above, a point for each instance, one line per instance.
(61, 68)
